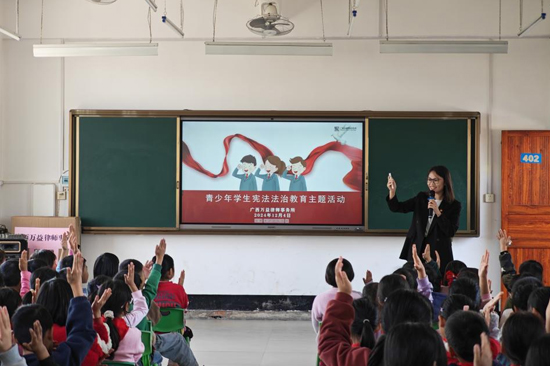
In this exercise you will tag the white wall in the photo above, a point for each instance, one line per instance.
(357, 77)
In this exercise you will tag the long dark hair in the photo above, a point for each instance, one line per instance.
(121, 295)
(443, 172)
(55, 295)
(365, 321)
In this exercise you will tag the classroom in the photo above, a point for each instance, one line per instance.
(510, 91)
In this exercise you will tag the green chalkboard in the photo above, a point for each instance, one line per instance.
(408, 148)
(127, 172)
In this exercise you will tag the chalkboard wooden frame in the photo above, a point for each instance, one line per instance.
(473, 207)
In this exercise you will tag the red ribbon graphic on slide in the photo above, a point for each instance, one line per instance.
(354, 178)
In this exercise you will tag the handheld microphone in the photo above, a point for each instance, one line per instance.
(431, 210)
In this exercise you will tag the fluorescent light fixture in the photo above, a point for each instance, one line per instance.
(10, 34)
(443, 47)
(268, 48)
(542, 17)
(171, 24)
(152, 4)
(95, 49)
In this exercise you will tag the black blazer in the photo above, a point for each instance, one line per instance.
(442, 230)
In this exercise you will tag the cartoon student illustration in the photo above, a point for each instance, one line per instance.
(297, 180)
(273, 166)
(248, 180)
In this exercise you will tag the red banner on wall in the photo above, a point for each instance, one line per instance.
(277, 208)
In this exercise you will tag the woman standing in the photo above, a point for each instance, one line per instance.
(436, 215)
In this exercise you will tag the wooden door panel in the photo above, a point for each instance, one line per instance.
(525, 210)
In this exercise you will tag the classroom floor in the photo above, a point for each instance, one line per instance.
(253, 342)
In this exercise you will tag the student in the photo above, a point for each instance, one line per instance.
(126, 339)
(295, 174)
(9, 352)
(68, 262)
(467, 287)
(47, 256)
(364, 324)
(80, 332)
(389, 284)
(521, 291)
(248, 180)
(451, 305)
(170, 295)
(9, 270)
(10, 299)
(415, 344)
(320, 302)
(538, 302)
(273, 167)
(463, 330)
(34, 264)
(519, 332)
(169, 345)
(451, 271)
(539, 352)
(106, 264)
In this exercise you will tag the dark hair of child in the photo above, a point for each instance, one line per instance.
(463, 330)
(414, 344)
(46, 255)
(55, 296)
(365, 321)
(539, 352)
(454, 303)
(250, 159)
(138, 266)
(518, 333)
(538, 300)
(95, 284)
(106, 264)
(370, 290)
(389, 284)
(533, 268)
(121, 296)
(468, 287)
(24, 318)
(522, 290)
(34, 264)
(330, 274)
(120, 277)
(45, 274)
(167, 265)
(10, 299)
(469, 272)
(10, 272)
(452, 267)
(404, 306)
(410, 275)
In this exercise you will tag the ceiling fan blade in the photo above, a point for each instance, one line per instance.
(257, 23)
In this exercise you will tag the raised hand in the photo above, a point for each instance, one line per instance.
(182, 277)
(23, 261)
(129, 277)
(147, 268)
(418, 263)
(74, 275)
(490, 306)
(36, 290)
(483, 355)
(437, 259)
(160, 251)
(392, 186)
(504, 240)
(342, 280)
(427, 255)
(482, 273)
(368, 277)
(37, 345)
(100, 302)
(5, 330)
(73, 239)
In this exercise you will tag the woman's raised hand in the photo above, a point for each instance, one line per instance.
(392, 186)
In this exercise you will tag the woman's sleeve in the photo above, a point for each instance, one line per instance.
(448, 221)
(403, 207)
